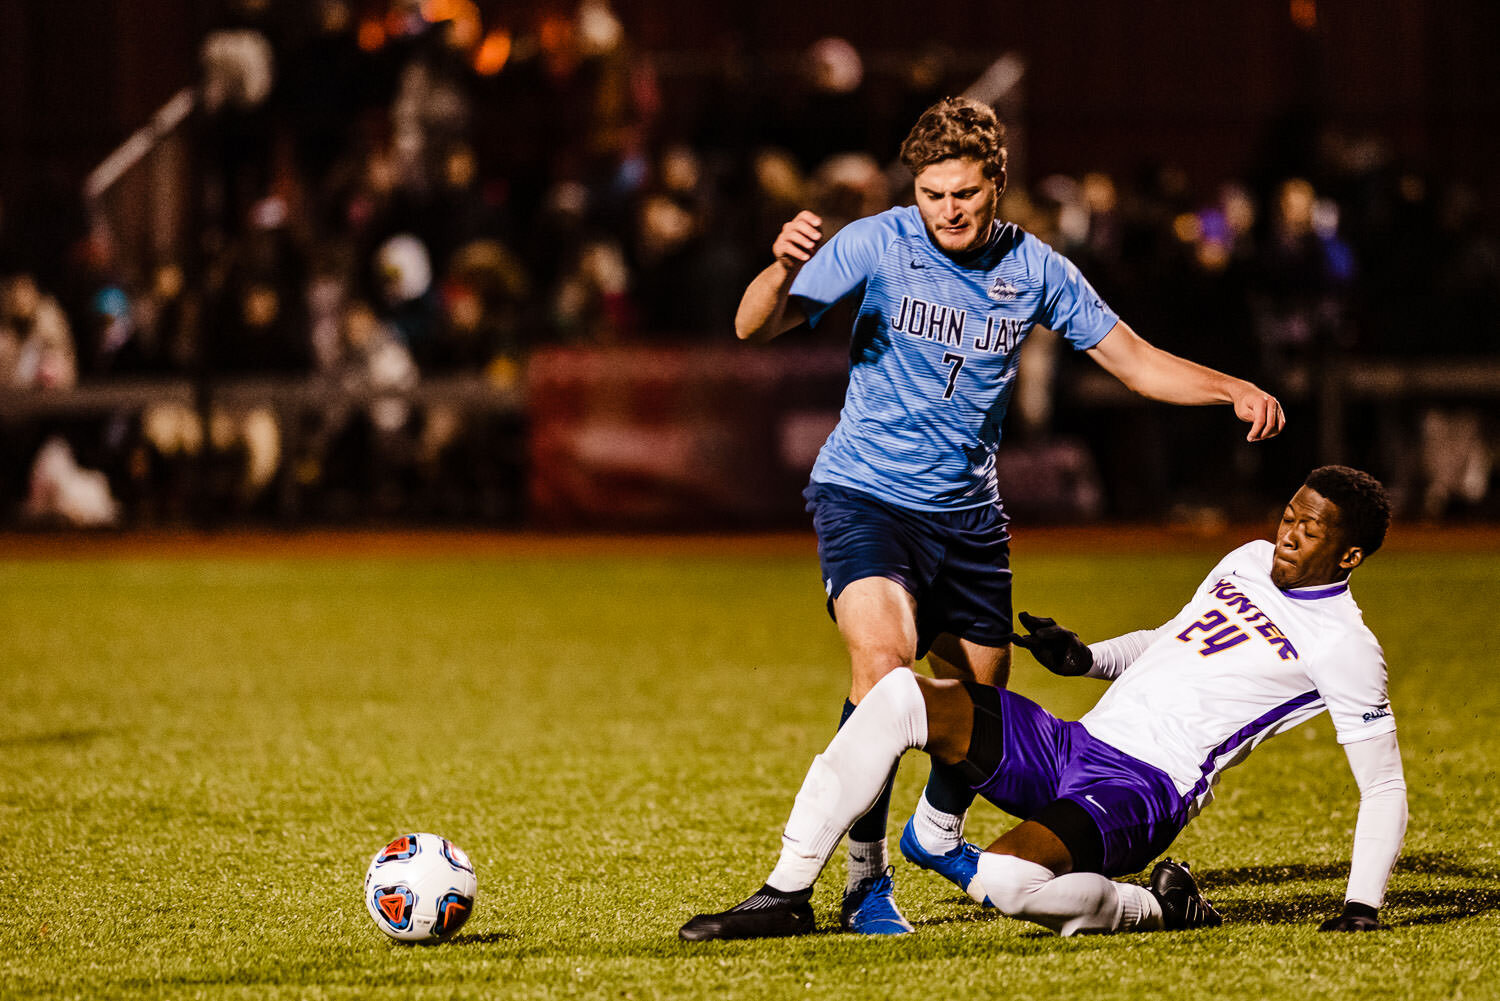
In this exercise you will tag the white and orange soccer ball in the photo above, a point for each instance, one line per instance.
(420, 888)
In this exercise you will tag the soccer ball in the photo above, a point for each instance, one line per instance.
(420, 888)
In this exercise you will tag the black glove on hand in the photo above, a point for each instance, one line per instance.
(1057, 649)
(1356, 917)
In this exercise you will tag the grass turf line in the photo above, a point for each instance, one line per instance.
(203, 756)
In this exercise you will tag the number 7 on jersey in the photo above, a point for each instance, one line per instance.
(956, 360)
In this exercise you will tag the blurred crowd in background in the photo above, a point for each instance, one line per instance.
(381, 199)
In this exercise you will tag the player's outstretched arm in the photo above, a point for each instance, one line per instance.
(765, 309)
(1060, 650)
(1378, 832)
(1057, 649)
(1161, 375)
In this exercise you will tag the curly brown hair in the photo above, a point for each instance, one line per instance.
(957, 127)
(1364, 507)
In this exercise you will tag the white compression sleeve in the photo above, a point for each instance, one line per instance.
(1113, 656)
(1381, 826)
(846, 778)
(1068, 904)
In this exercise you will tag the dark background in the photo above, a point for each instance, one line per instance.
(1222, 92)
(1389, 109)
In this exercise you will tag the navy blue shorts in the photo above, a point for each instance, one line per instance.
(1136, 806)
(955, 563)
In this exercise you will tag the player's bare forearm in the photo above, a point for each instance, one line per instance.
(1161, 375)
(765, 310)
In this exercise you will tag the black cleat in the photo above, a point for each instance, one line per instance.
(1182, 906)
(767, 913)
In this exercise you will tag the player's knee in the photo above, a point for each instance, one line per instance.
(868, 671)
(950, 718)
(1009, 881)
(896, 700)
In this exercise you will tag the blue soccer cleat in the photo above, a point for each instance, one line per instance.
(959, 867)
(870, 908)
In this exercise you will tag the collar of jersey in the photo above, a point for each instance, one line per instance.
(1314, 593)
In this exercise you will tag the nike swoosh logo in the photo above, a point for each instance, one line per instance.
(917, 264)
(1095, 802)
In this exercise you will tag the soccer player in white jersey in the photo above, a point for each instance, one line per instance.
(912, 538)
(1271, 638)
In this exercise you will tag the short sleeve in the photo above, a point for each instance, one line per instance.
(841, 265)
(1350, 675)
(1070, 306)
(1252, 556)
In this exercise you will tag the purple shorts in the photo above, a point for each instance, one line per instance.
(955, 563)
(1135, 805)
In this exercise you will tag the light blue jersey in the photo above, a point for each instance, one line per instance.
(934, 354)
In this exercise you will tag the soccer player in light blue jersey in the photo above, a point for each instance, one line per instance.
(912, 537)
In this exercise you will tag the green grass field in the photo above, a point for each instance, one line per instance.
(202, 755)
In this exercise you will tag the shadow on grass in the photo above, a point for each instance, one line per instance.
(476, 938)
(483, 938)
(965, 913)
(55, 738)
(1412, 907)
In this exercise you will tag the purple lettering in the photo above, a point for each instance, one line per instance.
(1223, 640)
(1212, 620)
(1278, 640)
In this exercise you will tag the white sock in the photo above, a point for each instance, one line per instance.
(866, 860)
(845, 780)
(1074, 903)
(936, 831)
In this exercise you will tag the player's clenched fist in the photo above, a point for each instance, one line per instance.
(795, 244)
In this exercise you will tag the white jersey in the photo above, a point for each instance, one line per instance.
(1241, 662)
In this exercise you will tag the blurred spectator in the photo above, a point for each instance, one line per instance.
(36, 346)
(327, 291)
(826, 114)
(485, 314)
(589, 301)
(1301, 274)
(457, 211)
(364, 440)
(1458, 459)
(165, 325)
(848, 186)
(258, 326)
(433, 106)
(408, 301)
(374, 364)
(779, 191)
(261, 324)
(111, 333)
(239, 73)
(669, 230)
(63, 492)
